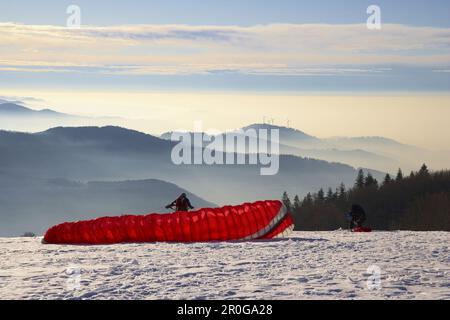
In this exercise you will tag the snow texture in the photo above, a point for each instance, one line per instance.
(308, 265)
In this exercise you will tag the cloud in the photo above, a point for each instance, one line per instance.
(274, 49)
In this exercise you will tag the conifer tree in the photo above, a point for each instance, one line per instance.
(287, 202)
(359, 184)
(321, 195)
(387, 179)
(297, 203)
(369, 180)
(308, 199)
(399, 175)
(424, 170)
(329, 194)
(342, 192)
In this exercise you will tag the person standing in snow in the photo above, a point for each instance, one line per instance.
(182, 203)
(356, 217)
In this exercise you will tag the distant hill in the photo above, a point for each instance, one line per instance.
(2, 100)
(107, 138)
(363, 141)
(33, 205)
(16, 110)
(12, 108)
(373, 152)
(112, 153)
(16, 116)
(287, 134)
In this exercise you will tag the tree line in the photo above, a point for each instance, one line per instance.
(418, 202)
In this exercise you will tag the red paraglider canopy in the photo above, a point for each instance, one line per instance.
(250, 221)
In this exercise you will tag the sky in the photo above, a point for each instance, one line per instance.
(231, 12)
(304, 51)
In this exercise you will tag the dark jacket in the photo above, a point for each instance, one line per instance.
(181, 204)
(356, 216)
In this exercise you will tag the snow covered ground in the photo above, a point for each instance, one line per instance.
(308, 265)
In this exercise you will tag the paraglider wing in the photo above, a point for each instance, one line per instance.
(250, 221)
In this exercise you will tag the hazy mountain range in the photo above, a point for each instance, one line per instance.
(378, 153)
(114, 153)
(46, 177)
(31, 163)
(370, 152)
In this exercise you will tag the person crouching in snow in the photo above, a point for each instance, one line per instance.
(356, 217)
(181, 204)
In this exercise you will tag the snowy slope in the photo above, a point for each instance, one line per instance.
(308, 265)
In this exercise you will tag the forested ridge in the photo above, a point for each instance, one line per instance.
(418, 202)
